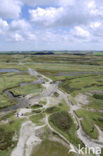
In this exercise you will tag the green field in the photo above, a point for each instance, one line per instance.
(89, 121)
(50, 148)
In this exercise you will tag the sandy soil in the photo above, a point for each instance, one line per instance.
(82, 99)
(27, 140)
(21, 112)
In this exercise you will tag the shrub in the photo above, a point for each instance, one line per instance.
(62, 120)
(98, 96)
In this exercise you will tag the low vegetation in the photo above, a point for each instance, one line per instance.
(37, 118)
(7, 132)
(95, 103)
(89, 121)
(27, 89)
(76, 74)
(63, 123)
(5, 101)
(50, 148)
(60, 107)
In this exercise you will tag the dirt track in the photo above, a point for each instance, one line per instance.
(28, 139)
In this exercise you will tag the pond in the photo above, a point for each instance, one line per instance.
(21, 102)
(8, 70)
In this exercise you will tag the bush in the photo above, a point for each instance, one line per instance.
(98, 96)
(52, 109)
(62, 120)
(5, 138)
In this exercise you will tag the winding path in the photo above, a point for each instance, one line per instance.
(81, 134)
(28, 139)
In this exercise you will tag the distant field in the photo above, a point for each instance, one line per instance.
(98, 53)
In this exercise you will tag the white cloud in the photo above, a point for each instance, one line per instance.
(10, 8)
(97, 12)
(18, 37)
(91, 5)
(18, 25)
(45, 16)
(52, 23)
(68, 13)
(3, 26)
(15, 37)
(81, 32)
(95, 25)
(19, 30)
(31, 36)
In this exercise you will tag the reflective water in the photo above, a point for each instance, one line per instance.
(8, 70)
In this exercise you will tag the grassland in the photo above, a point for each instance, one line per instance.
(12, 81)
(60, 107)
(89, 121)
(5, 101)
(37, 118)
(54, 149)
(78, 74)
(27, 89)
(7, 131)
(95, 103)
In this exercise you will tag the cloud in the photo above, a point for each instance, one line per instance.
(66, 3)
(95, 25)
(10, 8)
(68, 13)
(36, 3)
(31, 36)
(91, 5)
(18, 25)
(45, 16)
(80, 32)
(16, 37)
(96, 29)
(51, 24)
(19, 30)
(3, 26)
(48, 3)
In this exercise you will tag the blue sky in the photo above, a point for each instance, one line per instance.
(51, 25)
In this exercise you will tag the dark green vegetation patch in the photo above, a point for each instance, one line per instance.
(5, 138)
(98, 96)
(62, 120)
(63, 123)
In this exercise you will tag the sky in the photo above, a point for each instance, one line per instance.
(51, 25)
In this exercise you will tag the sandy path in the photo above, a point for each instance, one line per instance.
(87, 140)
(81, 134)
(100, 134)
(27, 140)
(61, 136)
